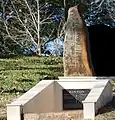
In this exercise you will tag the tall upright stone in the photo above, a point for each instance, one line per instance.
(76, 59)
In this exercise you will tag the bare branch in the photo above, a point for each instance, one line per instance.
(32, 39)
(47, 18)
(31, 13)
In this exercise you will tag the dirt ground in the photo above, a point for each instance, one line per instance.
(66, 115)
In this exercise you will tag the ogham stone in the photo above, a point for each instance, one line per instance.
(76, 57)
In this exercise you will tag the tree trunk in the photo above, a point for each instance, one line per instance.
(77, 61)
(38, 29)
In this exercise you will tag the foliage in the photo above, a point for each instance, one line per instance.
(53, 15)
(9, 48)
(101, 12)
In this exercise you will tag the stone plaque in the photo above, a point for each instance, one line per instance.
(72, 98)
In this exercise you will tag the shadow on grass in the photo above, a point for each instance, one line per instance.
(12, 91)
(49, 78)
(108, 107)
(25, 80)
(32, 68)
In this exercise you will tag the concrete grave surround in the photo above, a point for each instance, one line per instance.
(46, 96)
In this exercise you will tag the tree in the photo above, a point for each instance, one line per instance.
(33, 22)
(26, 22)
(100, 12)
(15, 15)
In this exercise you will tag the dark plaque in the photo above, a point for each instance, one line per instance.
(72, 98)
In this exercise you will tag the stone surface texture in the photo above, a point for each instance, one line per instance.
(77, 61)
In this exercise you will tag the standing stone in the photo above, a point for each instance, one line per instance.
(76, 58)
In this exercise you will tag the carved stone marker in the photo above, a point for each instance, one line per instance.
(76, 58)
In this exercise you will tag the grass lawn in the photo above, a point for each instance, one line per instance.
(17, 75)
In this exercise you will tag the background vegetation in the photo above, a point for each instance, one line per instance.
(26, 26)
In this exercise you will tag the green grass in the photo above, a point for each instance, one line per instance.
(17, 75)
(23, 73)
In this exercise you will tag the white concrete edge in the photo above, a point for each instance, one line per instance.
(77, 77)
(30, 94)
(89, 98)
(86, 77)
(15, 112)
(92, 103)
(81, 79)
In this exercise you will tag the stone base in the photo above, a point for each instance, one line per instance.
(47, 96)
